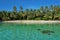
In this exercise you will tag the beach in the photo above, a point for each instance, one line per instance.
(31, 21)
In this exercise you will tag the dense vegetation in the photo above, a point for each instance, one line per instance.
(43, 13)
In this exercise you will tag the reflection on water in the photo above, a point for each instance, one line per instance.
(11, 31)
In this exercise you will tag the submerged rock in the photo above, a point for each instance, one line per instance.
(38, 29)
(47, 32)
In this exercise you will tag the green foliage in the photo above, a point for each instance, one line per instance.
(44, 13)
(37, 18)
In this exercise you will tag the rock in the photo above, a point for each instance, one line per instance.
(47, 31)
(38, 29)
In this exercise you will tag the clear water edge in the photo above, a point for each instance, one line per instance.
(14, 31)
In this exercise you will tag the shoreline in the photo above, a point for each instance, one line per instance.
(31, 21)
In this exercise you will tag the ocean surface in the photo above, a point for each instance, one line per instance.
(18, 31)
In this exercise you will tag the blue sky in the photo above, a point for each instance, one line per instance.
(34, 4)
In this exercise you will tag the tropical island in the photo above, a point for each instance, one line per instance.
(43, 13)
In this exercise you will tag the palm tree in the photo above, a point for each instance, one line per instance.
(46, 16)
(52, 11)
(42, 12)
(21, 9)
(4, 15)
(14, 9)
(26, 13)
(1, 16)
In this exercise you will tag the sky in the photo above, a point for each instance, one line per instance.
(34, 4)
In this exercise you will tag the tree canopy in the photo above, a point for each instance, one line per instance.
(43, 13)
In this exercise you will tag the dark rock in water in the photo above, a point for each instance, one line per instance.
(47, 32)
(38, 29)
(52, 31)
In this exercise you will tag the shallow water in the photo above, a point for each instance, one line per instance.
(14, 31)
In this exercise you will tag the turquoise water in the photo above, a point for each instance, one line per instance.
(14, 31)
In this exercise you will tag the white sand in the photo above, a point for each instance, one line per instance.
(31, 21)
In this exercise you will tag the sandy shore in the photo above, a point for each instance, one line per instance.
(31, 21)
